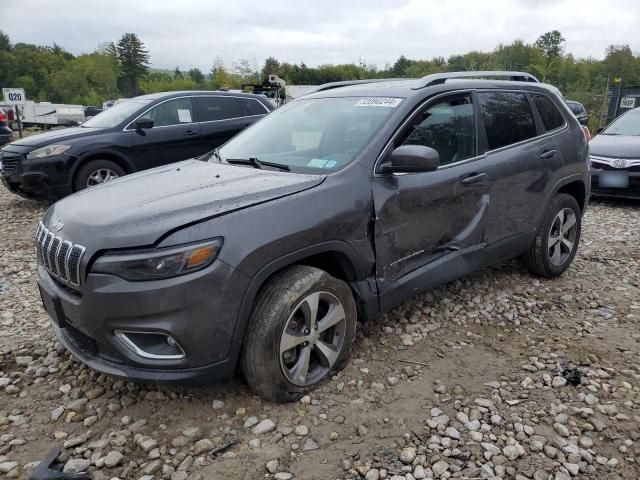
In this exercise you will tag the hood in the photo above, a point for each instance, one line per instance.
(55, 136)
(138, 209)
(616, 146)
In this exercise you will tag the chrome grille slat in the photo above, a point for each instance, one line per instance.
(61, 258)
(46, 244)
(53, 251)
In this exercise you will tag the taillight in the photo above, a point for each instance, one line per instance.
(587, 134)
(10, 115)
(3, 116)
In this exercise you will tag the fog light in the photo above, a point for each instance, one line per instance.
(151, 345)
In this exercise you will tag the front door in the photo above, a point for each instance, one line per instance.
(422, 217)
(174, 136)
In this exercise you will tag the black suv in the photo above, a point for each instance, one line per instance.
(133, 135)
(336, 206)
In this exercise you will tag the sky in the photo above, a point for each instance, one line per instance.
(191, 33)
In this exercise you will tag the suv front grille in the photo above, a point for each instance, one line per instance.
(59, 257)
(9, 165)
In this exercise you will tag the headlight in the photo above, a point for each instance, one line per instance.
(47, 151)
(157, 264)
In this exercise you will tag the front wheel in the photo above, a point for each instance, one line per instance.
(96, 172)
(556, 241)
(300, 333)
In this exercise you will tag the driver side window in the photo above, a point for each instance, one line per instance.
(448, 127)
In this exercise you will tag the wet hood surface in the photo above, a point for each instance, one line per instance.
(138, 209)
(617, 146)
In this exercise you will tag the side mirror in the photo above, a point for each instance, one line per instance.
(412, 159)
(599, 130)
(143, 123)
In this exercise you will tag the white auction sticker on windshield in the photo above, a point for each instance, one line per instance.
(388, 102)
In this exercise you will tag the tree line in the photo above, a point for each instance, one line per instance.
(122, 69)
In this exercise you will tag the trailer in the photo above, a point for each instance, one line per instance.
(49, 114)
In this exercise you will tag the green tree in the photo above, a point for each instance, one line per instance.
(196, 75)
(245, 71)
(551, 43)
(134, 62)
(271, 66)
(177, 74)
(400, 67)
(5, 42)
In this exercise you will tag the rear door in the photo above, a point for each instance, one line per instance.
(220, 117)
(174, 136)
(421, 217)
(515, 143)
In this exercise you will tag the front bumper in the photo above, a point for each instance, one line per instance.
(199, 311)
(632, 191)
(41, 179)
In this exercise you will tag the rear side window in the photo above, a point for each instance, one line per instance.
(551, 116)
(508, 118)
(448, 127)
(253, 107)
(217, 108)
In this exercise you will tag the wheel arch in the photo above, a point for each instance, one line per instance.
(337, 258)
(577, 189)
(573, 185)
(103, 154)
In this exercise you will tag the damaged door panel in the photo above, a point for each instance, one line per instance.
(423, 217)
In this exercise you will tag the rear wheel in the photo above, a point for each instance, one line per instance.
(300, 333)
(97, 172)
(556, 241)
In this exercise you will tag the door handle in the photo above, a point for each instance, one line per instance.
(474, 178)
(190, 133)
(548, 154)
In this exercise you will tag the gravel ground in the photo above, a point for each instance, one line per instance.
(499, 375)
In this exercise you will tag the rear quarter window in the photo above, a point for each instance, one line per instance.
(253, 107)
(551, 116)
(217, 108)
(508, 118)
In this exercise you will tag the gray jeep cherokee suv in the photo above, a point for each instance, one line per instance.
(336, 206)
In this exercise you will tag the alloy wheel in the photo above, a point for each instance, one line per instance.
(101, 175)
(562, 237)
(313, 338)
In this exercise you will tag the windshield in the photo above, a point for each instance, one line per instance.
(115, 115)
(627, 124)
(312, 136)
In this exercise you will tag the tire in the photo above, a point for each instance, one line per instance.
(542, 258)
(282, 317)
(88, 171)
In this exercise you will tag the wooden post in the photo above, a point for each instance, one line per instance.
(18, 120)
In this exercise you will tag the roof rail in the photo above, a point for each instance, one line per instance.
(346, 83)
(439, 78)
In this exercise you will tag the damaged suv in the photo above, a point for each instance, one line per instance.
(333, 208)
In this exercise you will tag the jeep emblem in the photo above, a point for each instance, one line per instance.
(58, 225)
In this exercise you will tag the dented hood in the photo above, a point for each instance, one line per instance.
(138, 209)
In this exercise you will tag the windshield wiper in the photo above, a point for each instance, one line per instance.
(254, 162)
